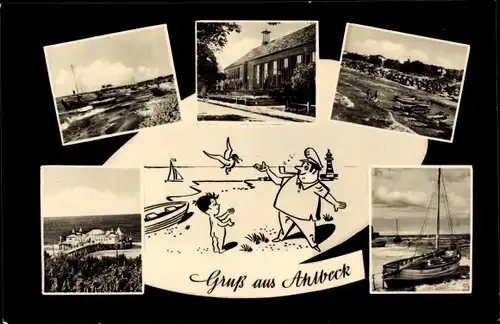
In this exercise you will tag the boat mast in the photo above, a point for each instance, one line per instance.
(74, 78)
(438, 207)
(397, 228)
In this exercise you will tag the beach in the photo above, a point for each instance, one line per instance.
(249, 241)
(353, 107)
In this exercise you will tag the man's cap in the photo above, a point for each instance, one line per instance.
(312, 156)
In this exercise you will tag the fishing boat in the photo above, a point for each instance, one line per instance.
(378, 243)
(397, 239)
(161, 216)
(79, 102)
(412, 103)
(173, 174)
(428, 267)
(103, 102)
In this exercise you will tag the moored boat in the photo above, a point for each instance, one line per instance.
(428, 267)
(103, 102)
(161, 216)
(409, 103)
(378, 243)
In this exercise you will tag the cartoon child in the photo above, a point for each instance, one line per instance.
(208, 205)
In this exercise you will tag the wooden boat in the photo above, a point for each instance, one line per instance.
(74, 104)
(161, 216)
(378, 243)
(173, 174)
(427, 267)
(409, 103)
(103, 102)
(397, 239)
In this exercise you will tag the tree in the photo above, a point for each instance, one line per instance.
(214, 35)
(304, 82)
(211, 37)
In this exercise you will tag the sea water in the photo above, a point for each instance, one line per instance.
(54, 227)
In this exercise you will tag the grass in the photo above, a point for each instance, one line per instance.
(162, 111)
(327, 217)
(246, 248)
(257, 238)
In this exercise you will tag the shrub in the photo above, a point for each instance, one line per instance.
(163, 111)
(66, 273)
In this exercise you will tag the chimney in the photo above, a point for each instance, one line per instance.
(265, 37)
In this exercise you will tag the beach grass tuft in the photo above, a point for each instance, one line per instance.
(327, 217)
(246, 248)
(257, 238)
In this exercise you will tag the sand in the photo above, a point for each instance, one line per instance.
(188, 245)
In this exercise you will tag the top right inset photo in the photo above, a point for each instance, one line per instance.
(400, 82)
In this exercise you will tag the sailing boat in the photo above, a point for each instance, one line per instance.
(79, 102)
(397, 239)
(173, 174)
(427, 267)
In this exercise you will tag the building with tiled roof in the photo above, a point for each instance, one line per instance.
(273, 62)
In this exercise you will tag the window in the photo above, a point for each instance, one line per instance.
(313, 57)
(299, 58)
(265, 71)
(257, 74)
(285, 63)
(275, 67)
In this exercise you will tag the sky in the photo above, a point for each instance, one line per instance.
(405, 194)
(239, 44)
(111, 59)
(371, 41)
(87, 191)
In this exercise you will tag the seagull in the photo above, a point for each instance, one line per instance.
(229, 159)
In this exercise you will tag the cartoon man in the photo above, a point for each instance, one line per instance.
(208, 205)
(299, 198)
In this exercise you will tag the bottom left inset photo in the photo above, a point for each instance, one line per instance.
(92, 233)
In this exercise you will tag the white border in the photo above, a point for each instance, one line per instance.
(42, 234)
(414, 36)
(171, 61)
(264, 123)
(431, 292)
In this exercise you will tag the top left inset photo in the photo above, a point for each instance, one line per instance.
(113, 84)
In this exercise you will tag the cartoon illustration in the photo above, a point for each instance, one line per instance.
(229, 160)
(173, 174)
(298, 200)
(209, 205)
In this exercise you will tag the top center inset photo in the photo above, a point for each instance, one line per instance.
(256, 71)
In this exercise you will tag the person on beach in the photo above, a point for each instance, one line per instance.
(209, 205)
(298, 200)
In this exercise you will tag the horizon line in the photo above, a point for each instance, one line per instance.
(95, 215)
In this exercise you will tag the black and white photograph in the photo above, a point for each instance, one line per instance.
(421, 229)
(400, 82)
(113, 84)
(256, 71)
(91, 230)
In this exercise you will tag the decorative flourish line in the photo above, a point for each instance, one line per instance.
(198, 191)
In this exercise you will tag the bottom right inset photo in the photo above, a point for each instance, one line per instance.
(421, 229)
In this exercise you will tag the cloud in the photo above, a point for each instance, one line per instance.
(81, 201)
(100, 72)
(388, 49)
(395, 198)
